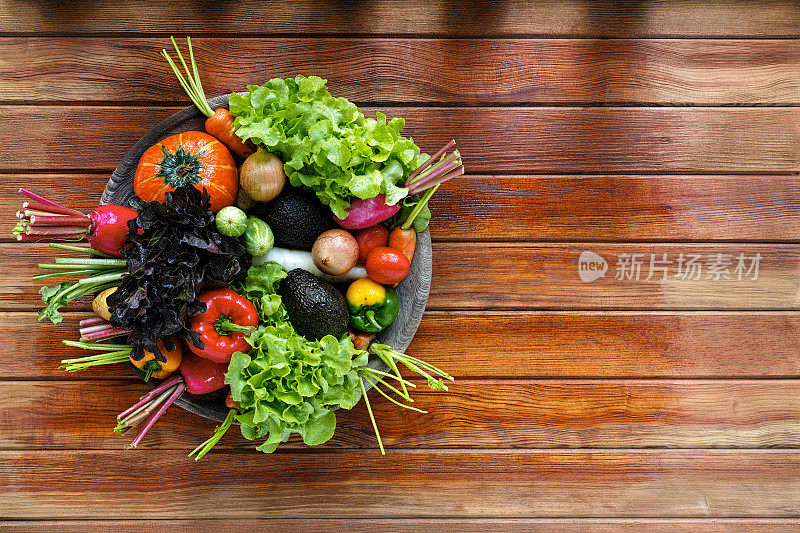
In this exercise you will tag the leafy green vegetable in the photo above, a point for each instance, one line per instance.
(288, 384)
(259, 286)
(326, 143)
(175, 253)
(102, 273)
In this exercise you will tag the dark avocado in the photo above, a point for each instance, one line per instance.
(296, 218)
(315, 307)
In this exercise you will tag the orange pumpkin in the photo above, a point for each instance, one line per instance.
(189, 158)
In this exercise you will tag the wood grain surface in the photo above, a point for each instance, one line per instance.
(685, 18)
(482, 483)
(545, 276)
(654, 399)
(391, 70)
(534, 345)
(482, 414)
(526, 140)
(417, 525)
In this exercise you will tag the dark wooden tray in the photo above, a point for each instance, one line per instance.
(413, 291)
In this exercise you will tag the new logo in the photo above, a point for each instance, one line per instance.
(591, 266)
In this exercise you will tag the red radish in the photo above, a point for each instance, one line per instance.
(365, 213)
(198, 376)
(443, 166)
(109, 227)
(105, 228)
(202, 376)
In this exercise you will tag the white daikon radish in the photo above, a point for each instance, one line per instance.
(291, 259)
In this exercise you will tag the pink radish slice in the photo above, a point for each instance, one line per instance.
(365, 213)
(200, 375)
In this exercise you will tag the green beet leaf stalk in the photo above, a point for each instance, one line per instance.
(101, 273)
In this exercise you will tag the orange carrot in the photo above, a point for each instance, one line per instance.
(220, 125)
(230, 402)
(404, 241)
(219, 122)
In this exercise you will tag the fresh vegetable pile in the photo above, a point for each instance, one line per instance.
(190, 287)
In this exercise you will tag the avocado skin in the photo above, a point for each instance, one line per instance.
(296, 218)
(316, 308)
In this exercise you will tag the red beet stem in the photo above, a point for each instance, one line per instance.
(47, 202)
(161, 410)
(91, 321)
(34, 206)
(103, 334)
(438, 172)
(32, 238)
(149, 396)
(430, 161)
(60, 220)
(39, 238)
(57, 231)
(450, 175)
(95, 328)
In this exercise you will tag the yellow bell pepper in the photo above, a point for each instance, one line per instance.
(158, 369)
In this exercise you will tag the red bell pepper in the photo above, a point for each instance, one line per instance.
(222, 326)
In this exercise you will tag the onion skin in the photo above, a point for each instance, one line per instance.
(365, 213)
(109, 228)
(261, 176)
(335, 252)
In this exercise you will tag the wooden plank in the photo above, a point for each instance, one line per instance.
(458, 483)
(618, 208)
(546, 276)
(579, 345)
(18, 263)
(550, 208)
(530, 345)
(472, 414)
(414, 17)
(496, 71)
(412, 525)
(519, 276)
(548, 140)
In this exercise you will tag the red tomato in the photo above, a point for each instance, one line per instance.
(387, 265)
(370, 238)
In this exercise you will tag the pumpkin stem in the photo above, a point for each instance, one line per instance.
(180, 168)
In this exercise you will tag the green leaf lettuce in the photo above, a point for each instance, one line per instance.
(326, 143)
(288, 384)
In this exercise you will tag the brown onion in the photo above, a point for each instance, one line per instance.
(261, 176)
(335, 252)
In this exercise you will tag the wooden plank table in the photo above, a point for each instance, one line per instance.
(661, 137)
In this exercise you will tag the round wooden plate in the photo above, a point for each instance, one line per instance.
(413, 291)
